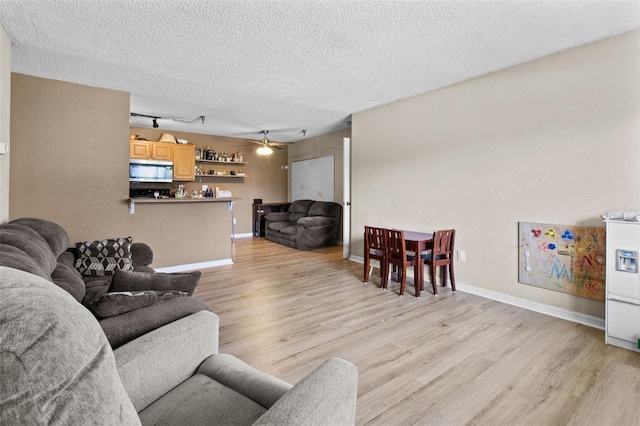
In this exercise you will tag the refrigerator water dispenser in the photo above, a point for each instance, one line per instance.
(627, 261)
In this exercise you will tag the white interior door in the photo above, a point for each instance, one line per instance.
(346, 202)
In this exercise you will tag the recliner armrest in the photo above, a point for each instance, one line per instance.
(326, 396)
(160, 360)
(141, 255)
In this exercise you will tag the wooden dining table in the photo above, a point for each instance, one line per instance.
(418, 242)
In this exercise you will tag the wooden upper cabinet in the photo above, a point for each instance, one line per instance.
(161, 151)
(184, 162)
(147, 150)
(140, 149)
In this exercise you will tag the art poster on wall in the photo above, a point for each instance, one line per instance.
(570, 259)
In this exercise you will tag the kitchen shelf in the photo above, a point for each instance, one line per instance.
(222, 176)
(228, 163)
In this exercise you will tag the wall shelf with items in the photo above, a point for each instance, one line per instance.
(204, 170)
(209, 178)
(228, 163)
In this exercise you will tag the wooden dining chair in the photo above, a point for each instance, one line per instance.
(397, 256)
(441, 255)
(375, 248)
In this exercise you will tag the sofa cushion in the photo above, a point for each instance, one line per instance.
(112, 304)
(324, 208)
(277, 226)
(315, 221)
(202, 401)
(140, 281)
(56, 364)
(54, 234)
(300, 206)
(67, 277)
(24, 249)
(103, 257)
(289, 230)
(96, 287)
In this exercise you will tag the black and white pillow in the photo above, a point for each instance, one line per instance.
(103, 257)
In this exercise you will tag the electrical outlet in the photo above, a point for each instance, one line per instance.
(461, 255)
(205, 187)
(234, 220)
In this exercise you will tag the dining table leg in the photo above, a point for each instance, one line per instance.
(418, 271)
(420, 266)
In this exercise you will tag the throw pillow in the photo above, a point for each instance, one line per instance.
(140, 281)
(112, 304)
(103, 257)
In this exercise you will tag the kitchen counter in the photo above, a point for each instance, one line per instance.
(133, 201)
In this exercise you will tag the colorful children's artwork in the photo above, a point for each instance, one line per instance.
(570, 259)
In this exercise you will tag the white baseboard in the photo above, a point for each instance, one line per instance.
(576, 317)
(194, 266)
(247, 235)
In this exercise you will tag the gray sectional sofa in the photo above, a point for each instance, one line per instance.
(59, 369)
(307, 225)
(41, 247)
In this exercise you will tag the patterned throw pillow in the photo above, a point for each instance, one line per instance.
(103, 257)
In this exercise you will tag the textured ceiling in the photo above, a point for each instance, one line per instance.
(289, 65)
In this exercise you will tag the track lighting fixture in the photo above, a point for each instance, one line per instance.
(155, 119)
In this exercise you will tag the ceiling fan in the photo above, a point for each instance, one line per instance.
(266, 146)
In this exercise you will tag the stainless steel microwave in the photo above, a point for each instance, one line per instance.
(150, 171)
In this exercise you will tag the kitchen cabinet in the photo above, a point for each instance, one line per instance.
(148, 150)
(184, 162)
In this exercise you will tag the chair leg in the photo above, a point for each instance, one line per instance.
(403, 280)
(366, 268)
(444, 275)
(433, 278)
(453, 280)
(384, 270)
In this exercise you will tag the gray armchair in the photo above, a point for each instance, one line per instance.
(58, 368)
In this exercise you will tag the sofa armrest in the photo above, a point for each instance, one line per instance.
(326, 396)
(277, 217)
(141, 256)
(316, 221)
(160, 360)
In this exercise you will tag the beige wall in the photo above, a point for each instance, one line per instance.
(69, 164)
(265, 178)
(5, 107)
(555, 141)
(321, 146)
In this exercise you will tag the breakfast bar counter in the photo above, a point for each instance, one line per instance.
(133, 201)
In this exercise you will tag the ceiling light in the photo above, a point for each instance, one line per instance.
(265, 149)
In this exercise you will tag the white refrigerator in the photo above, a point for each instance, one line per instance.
(622, 317)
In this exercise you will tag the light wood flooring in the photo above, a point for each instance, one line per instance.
(454, 359)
